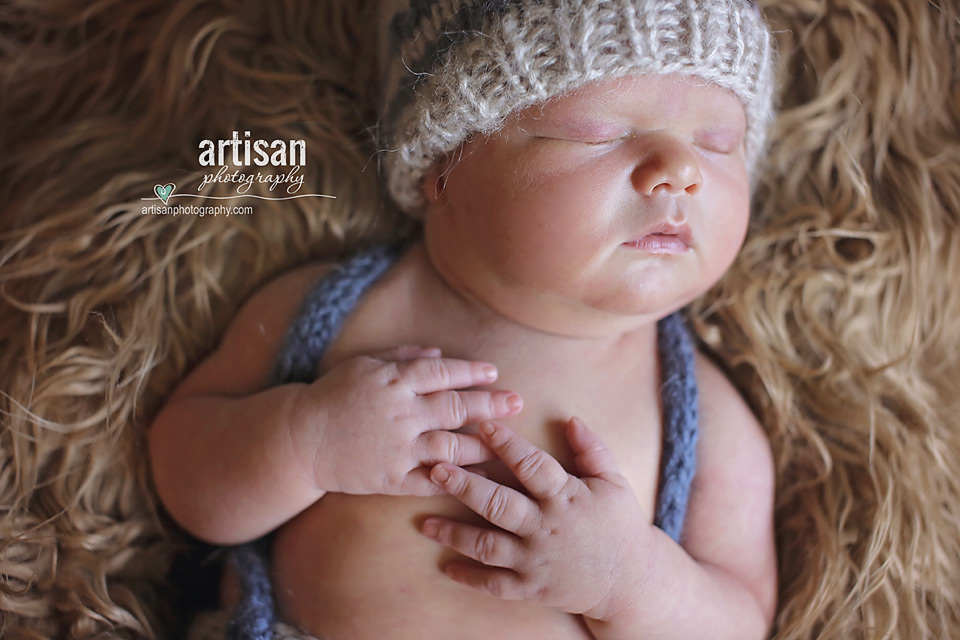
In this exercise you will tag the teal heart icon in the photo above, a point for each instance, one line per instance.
(163, 192)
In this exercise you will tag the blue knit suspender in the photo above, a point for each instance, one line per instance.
(322, 315)
(324, 311)
(681, 423)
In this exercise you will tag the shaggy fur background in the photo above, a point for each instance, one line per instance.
(839, 322)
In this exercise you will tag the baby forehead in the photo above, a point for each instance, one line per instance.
(674, 94)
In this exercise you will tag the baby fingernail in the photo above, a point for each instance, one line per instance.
(487, 428)
(490, 372)
(430, 529)
(514, 402)
(439, 474)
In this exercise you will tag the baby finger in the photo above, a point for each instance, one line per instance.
(418, 483)
(426, 375)
(500, 583)
(537, 470)
(500, 505)
(489, 546)
(456, 448)
(405, 352)
(455, 409)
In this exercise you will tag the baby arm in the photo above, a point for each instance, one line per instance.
(219, 450)
(582, 544)
(233, 458)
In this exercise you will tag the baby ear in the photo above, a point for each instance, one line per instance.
(433, 183)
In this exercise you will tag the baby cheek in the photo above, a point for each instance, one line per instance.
(726, 235)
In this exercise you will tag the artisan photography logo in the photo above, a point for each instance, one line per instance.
(232, 162)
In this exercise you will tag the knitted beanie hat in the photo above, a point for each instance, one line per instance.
(452, 68)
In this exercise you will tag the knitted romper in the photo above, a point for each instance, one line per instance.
(322, 314)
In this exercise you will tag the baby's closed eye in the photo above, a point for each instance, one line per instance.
(719, 140)
(595, 143)
(589, 133)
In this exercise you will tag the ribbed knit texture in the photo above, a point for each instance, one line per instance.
(324, 311)
(451, 68)
(681, 420)
(322, 315)
(253, 617)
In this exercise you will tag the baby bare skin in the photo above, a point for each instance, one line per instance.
(525, 264)
(328, 559)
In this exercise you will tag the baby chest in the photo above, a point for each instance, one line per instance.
(615, 394)
(626, 419)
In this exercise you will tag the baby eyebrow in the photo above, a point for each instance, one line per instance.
(580, 127)
(720, 135)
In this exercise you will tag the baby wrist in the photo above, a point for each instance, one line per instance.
(305, 424)
(622, 607)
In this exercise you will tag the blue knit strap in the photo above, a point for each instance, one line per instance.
(324, 311)
(253, 616)
(321, 316)
(681, 417)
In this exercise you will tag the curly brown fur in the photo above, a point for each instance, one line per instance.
(104, 308)
(838, 321)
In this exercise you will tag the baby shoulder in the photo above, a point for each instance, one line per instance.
(729, 431)
(730, 514)
(242, 361)
(735, 470)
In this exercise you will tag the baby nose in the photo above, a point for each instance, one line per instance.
(668, 164)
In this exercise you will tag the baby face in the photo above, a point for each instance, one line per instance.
(608, 207)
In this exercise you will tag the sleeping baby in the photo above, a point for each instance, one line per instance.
(502, 428)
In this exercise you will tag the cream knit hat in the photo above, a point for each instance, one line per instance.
(454, 67)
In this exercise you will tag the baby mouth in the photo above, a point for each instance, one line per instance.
(665, 238)
(664, 243)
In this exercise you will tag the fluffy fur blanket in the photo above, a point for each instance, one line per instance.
(839, 322)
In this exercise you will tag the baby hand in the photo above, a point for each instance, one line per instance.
(575, 544)
(376, 423)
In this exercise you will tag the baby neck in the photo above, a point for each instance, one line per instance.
(563, 332)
